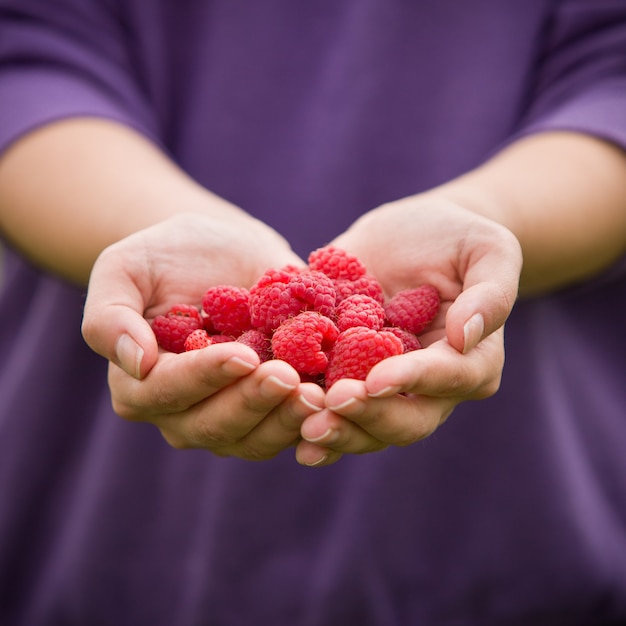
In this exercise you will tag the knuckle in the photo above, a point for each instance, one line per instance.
(506, 300)
(87, 328)
(175, 440)
(489, 383)
(457, 384)
(124, 410)
(252, 404)
(413, 434)
(207, 434)
(165, 399)
(488, 388)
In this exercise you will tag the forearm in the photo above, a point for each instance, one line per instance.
(70, 189)
(563, 195)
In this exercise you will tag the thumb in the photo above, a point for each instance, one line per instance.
(113, 324)
(475, 314)
(123, 337)
(489, 292)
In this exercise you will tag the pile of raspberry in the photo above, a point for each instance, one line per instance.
(329, 320)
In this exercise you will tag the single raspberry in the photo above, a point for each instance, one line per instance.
(259, 342)
(172, 329)
(304, 342)
(360, 310)
(413, 309)
(315, 291)
(365, 285)
(228, 309)
(279, 295)
(270, 300)
(357, 350)
(336, 263)
(410, 341)
(197, 339)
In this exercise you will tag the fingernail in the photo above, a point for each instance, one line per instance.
(272, 386)
(240, 368)
(344, 405)
(318, 462)
(129, 354)
(309, 404)
(280, 384)
(325, 435)
(473, 332)
(387, 391)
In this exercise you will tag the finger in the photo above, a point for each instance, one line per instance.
(224, 421)
(490, 287)
(113, 323)
(396, 419)
(335, 433)
(331, 430)
(179, 381)
(441, 371)
(371, 425)
(312, 455)
(281, 427)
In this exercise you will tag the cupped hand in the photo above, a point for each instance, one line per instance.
(219, 398)
(475, 263)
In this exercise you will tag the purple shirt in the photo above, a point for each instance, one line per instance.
(308, 114)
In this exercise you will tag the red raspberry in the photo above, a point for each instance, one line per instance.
(228, 309)
(172, 329)
(197, 339)
(259, 342)
(357, 350)
(207, 324)
(304, 342)
(184, 310)
(279, 295)
(270, 299)
(413, 309)
(315, 291)
(365, 285)
(336, 263)
(360, 310)
(410, 341)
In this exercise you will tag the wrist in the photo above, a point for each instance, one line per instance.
(562, 195)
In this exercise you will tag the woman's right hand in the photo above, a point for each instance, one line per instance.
(219, 398)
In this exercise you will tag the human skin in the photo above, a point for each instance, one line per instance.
(563, 195)
(106, 193)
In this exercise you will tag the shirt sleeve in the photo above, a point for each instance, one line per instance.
(580, 82)
(580, 78)
(62, 59)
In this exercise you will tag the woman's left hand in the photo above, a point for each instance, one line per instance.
(475, 263)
